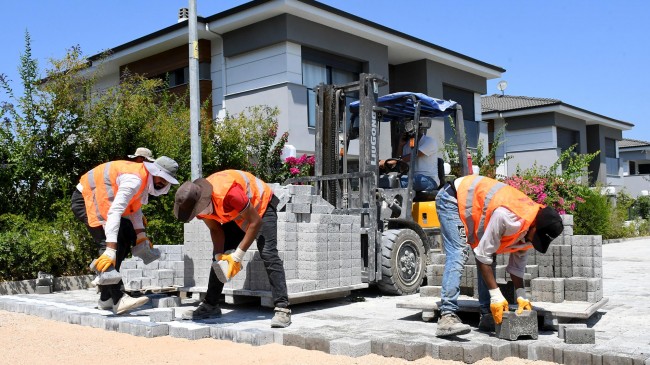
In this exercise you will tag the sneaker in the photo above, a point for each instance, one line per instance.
(486, 323)
(203, 311)
(282, 318)
(449, 324)
(128, 303)
(105, 304)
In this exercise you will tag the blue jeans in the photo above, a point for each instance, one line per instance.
(420, 182)
(483, 291)
(454, 245)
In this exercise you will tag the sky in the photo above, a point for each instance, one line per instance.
(591, 54)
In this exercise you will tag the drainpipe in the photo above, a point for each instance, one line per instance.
(222, 113)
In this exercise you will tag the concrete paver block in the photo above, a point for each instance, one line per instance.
(575, 335)
(574, 356)
(451, 351)
(473, 352)
(514, 325)
(563, 326)
(164, 315)
(189, 331)
(350, 347)
(500, 351)
(43, 289)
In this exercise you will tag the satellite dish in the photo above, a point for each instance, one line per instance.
(502, 85)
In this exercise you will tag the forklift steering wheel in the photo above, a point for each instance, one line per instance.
(399, 165)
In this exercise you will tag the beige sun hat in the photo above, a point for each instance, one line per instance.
(143, 152)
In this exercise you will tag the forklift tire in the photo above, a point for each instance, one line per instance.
(403, 262)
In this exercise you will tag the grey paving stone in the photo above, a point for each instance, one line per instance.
(190, 332)
(575, 356)
(161, 315)
(500, 351)
(293, 339)
(574, 335)
(563, 326)
(350, 347)
(617, 359)
(414, 351)
(473, 352)
(514, 325)
(318, 343)
(451, 351)
(541, 351)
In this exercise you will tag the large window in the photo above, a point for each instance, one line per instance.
(181, 76)
(611, 159)
(567, 138)
(466, 100)
(319, 67)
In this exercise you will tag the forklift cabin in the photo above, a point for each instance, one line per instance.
(397, 224)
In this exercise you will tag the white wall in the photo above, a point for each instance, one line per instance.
(526, 159)
(635, 183)
(531, 139)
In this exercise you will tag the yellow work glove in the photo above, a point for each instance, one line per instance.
(498, 305)
(106, 260)
(234, 262)
(523, 304)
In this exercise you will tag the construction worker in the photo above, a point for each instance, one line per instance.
(425, 176)
(141, 155)
(108, 199)
(493, 218)
(238, 208)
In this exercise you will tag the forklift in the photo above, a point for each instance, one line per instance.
(398, 225)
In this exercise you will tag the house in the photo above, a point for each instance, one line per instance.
(538, 130)
(274, 52)
(635, 158)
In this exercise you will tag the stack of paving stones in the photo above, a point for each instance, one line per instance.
(166, 272)
(320, 250)
(571, 270)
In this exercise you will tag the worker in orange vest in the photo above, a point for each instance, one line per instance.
(493, 218)
(108, 199)
(238, 208)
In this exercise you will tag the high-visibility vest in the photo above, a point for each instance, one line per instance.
(258, 193)
(479, 196)
(100, 188)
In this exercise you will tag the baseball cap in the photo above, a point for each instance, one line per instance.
(143, 152)
(164, 167)
(549, 226)
(191, 199)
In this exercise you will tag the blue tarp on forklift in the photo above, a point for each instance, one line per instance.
(401, 105)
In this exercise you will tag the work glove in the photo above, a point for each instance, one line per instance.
(498, 305)
(523, 303)
(107, 259)
(234, 262)
(143, 239)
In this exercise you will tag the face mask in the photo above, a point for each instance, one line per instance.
(153, 189)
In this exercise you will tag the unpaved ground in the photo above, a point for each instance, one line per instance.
(30, 340)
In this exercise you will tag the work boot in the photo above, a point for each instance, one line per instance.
(449, 324)
(282, 318)
(105, 304)
(486, 323)
(203, 311)
(127, 303)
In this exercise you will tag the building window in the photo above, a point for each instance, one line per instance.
(644, 168)
(632, 166)
(319, 67)
(611, 159)
(466, 100)
(181, 76)
(567, 138)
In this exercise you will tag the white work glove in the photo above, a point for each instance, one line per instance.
(498, 305)
(522, 302)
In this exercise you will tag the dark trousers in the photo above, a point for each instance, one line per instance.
(267, 244)
(126, 238)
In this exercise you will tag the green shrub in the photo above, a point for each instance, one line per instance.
(592, 217)
(641, 206)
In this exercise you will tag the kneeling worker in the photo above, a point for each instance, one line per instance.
(238, 208)
(494, 218)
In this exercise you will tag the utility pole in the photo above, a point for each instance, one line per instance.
(195, 98)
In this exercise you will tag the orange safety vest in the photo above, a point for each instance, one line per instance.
(479, 196)
(100, 187)
(258, 193)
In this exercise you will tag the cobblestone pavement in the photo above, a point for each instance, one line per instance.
(367, 322)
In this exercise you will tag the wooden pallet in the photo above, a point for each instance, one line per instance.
(564, 310)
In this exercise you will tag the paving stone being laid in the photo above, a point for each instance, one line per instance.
(574, 335)
(516, 325)
(563, 326)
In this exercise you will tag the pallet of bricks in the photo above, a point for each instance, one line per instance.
(321, 251)
(165, 274)
(570, 271)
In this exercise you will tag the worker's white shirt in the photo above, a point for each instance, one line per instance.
(503, 222)
(128, 186)
(426, 165)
